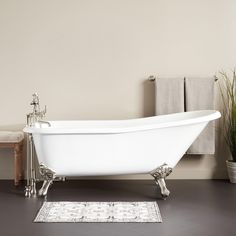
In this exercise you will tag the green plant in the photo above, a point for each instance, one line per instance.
(227, 86)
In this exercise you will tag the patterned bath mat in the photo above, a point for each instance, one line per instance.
(99, 212)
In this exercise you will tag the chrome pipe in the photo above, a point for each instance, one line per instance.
(27, 187)
(30, 189)
(28, 161)
(33, 170)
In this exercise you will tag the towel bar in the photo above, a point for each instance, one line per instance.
(152, 78)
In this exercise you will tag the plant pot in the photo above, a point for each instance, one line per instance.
(231, 167)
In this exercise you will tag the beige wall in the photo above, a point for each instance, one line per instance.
(89, 59)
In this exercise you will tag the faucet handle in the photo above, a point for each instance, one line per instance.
(35, 100)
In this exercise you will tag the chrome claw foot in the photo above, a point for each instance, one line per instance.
(44, 189)
(164, 190)
(159, 175)
(48, 176)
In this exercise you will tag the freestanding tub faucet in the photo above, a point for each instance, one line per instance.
(36, 116)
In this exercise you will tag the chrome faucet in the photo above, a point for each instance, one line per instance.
(37, 114)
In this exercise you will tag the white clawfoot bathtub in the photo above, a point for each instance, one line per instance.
(115, 147)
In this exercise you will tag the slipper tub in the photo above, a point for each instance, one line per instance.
(151, 145)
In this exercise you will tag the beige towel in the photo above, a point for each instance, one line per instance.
(169, 95)
(199, 95)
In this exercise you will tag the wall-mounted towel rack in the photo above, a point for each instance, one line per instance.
(152, 78)
(185, 94)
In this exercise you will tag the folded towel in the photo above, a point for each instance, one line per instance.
(169, 95)
(199, 95)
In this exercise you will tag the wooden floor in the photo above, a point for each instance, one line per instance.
(195, 207)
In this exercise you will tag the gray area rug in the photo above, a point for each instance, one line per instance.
(110, 212)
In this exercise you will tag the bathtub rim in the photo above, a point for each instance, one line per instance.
(201, 116)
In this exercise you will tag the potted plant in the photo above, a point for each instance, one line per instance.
(228, 93)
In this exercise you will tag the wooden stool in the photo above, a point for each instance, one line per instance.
(14, 140)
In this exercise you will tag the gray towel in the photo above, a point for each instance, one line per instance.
(199, 95)
(169, 95)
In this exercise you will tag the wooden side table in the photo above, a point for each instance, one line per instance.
(14, 140)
